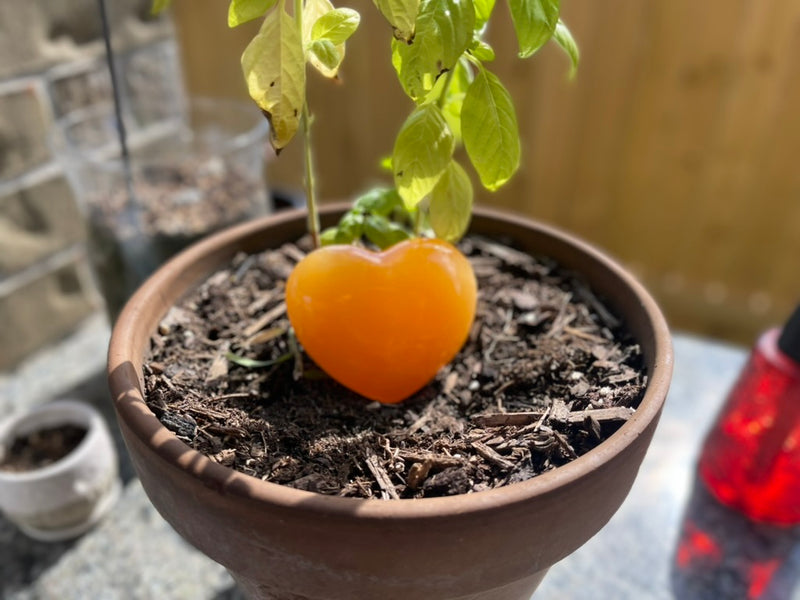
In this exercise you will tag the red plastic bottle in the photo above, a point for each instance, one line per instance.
(751, 458)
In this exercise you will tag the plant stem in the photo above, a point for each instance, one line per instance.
(448, 79)
(311, 197)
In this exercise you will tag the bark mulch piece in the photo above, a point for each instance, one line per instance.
(547, 374)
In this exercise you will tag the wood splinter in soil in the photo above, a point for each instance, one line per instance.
(546, 375)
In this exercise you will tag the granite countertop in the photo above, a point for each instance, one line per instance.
(134, 555)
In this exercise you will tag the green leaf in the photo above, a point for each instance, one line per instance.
(451, 204)
(564, 38)
(380, 202)
(482, 51)
(326, 53)
(313, 10)
(402, 15)
(350, 228)
(159, 6)
(489, 127)
(243, 11)
(274, 68)
(535, 22)
(383, 233)
(444, 30)
(328, 236)
(336, 25)
(422, 151)
(483, 11)
(251, 363)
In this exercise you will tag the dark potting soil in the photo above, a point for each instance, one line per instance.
(41, 448)
(546, 375)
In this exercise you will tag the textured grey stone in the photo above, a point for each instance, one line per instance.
(42, 304)
(132, 555)
(37, 220)
(37, 34)
(24, 123)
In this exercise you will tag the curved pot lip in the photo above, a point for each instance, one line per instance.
(126, 350)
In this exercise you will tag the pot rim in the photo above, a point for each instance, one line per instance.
(126, 350)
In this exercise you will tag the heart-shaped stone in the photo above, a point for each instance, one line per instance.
(383, 323)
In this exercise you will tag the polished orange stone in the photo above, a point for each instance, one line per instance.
(383, 323)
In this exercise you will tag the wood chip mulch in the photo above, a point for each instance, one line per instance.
(547, 374)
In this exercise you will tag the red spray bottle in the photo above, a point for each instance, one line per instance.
(751, 458)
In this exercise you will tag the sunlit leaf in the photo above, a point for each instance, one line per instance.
(326, 53)
(451, 203)
(534, 22)
(243, 11)
(482, 51)
(313, 10)
(336, 25)
(401, 14)
(274, 68)
(444, 32)
(483, 11)
(490, 131)
(422, 152)
(564, 38)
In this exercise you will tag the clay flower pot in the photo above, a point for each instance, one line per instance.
(284, 543)
(63, 499)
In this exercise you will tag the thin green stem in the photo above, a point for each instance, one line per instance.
(311, 197)
(443, 96)
(311, 194)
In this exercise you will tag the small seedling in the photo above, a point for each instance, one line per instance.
(368, 317)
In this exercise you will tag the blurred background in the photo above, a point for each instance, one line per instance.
(674, 149)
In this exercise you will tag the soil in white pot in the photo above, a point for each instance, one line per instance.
(546, 375)
(41, 448)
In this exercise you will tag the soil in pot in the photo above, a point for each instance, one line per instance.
(41, 448)
(547, 374)
(174, 206)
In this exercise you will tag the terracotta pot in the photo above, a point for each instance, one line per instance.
(66, 498)
(284, 543)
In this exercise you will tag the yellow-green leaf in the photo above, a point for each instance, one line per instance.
(243, 11)
(421, 154)
(274, 68)
(402, 15)
(534, 22)
(336, 25)
(483, 10)
(313, 10)
(564, 38)
(444, 30)
(326, 53)
(490, 131)
(158, 6)
(451, 203)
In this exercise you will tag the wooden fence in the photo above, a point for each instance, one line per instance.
(676, 148)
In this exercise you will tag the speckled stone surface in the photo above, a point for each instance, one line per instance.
(135, 555)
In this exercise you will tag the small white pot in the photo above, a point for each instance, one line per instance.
(64, 499)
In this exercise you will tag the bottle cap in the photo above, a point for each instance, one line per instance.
(789, 341)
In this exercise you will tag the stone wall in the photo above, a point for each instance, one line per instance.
(52, 61)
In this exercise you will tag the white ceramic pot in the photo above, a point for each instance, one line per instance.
(64, 499)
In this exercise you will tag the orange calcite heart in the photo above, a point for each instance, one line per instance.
(383, 323)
